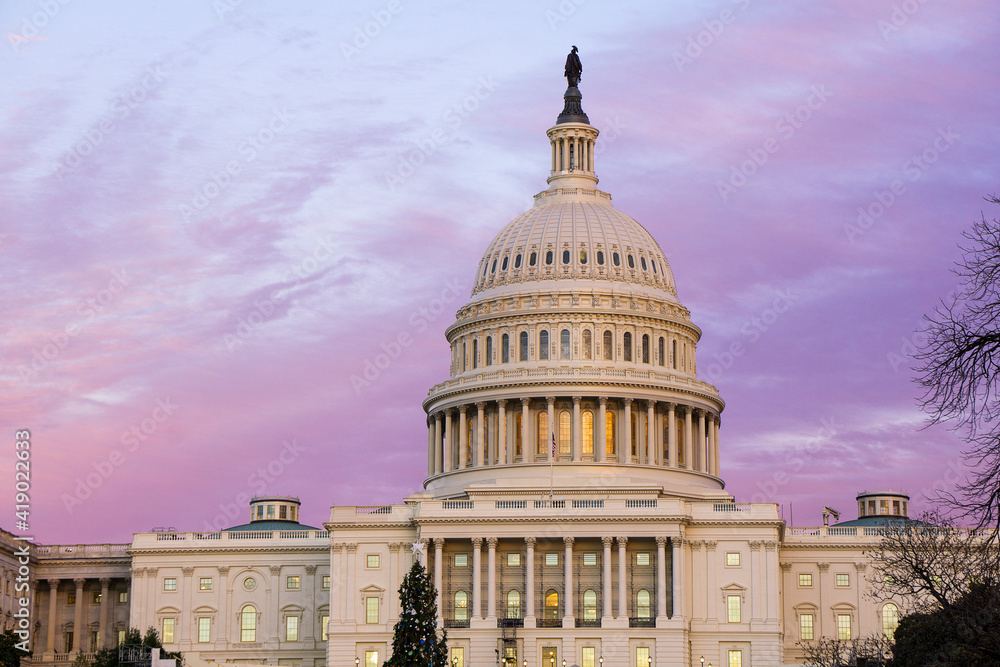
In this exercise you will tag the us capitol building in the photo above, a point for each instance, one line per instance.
(573, 513)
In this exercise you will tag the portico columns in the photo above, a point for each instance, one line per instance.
(672, 435)
(463, 436)
(437, 444)
(78, 614)
(430, 446)
(606, 583)
(650, 433)
(477, 578)
(502, 432)
(661, 577)
(480, 434)
(551, 402)
(568, 621)
(50, 634)
(602, 424)
(577, 428)
(527, 452)
(491, 580)
(438, 557)
(688, 438)
(715, 443)
(702, 443)
(622, 599)
(102, 634)
(677, 554)
(447, 447)
(626, 454)
(529, 581)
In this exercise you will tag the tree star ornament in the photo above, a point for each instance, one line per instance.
(418, 548)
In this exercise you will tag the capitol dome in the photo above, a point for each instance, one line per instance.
(573, 363)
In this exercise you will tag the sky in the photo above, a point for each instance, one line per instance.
(216, 215)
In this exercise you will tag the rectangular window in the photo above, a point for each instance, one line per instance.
(642, 656)
(843, 580)
(371, 610)
(96, 599)
(121, 637)
(291, 628)
(283, 512)
(205, 584)
(371, 658)
(457, 657)
(642, 558)
(733, 605)
(167, 631)
(170, 584)
(461, 560)
(513, 560)
(843, 626)
(805, 580)
(373, 561)
(292, 583)
(590, 559)
(736, 659)
(270, 511)
(588, 656)
(806, 627)
(204, 629)
(70, 598)
(326, 582)
(324, 631)
(122, 597)
(895, 507)
(883, 507)
(93, 641)
(552, 559)
(733, 559)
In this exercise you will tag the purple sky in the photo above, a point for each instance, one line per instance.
(209, 222)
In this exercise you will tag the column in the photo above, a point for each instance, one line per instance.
(394, 580)
(529, 581)
(502, 432)
(568, 620)
(430, 446)
(715, 443)
(437, 443)
(338, 577)
(50, 631)
(184, 631)
(102, 632)
(480, 433)
(702, 444)
(698, 581)
(438, 562)
(661, 577)
(756, 586)
(622, 599)
(650, 433)
(447, 456)
(577, 437)
(677, 554)
(661, 452)
(824, 595)
(606, 583)
(712, 613)
(625, 455)
(688, 449)
(771, 571)
(491, 579)
(601, 441)
(551, 403)
(349, 602)
(78, 614)
(527, 451)
(477, 578)
(463, 436)
(709, 447)
(672, 435)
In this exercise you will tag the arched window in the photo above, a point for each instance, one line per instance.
(627, 345)
(642, 609)
(583, 256)
(673, 354)
(645, 348)
(616, 259)
(588, 344)
(609, 433)
(661, 348)
(609, 345)
(505, 349)
(494, 267)
(631, 262)
(475, 353)
(642, 261)
(248, 623)
(588, 432)
(523, 352)
(543, 433)
(517, 262)
(543, 344)
(600, 257)
(532, 258)
(564, 344)
(513, 604)
(590, 605)
(890, 620)
(565, 256)
(489, 350)
(518, 451)
(503, 266)
(565, 432)
(461, 606)
(548, 257)
(551, 605)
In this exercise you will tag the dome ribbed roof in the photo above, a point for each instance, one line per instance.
(600, 243)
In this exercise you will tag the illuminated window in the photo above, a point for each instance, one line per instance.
(609, 346)
(121, 637)
(283, 511)
(522, 353)
(588, 432)
(461, 560)
(513, 604)
(890, 620)
(806, 627)
(371, 658)
(205, 584)
(588, 656)
(292, 583)
(590, 559)
(514, 560)
(733, 608)
(642, 656)
(167, 631)
(204, 629)
(95, 598)
(843, 626)
(371, 610)
(843, 580)
(609, 433)
(248, 624)
(736, 659)
(543, 344)
(590, 605)
(543, 433)
(552, 558)
(565, 432)
(805, 580)
(457, 657)
(270, 511)
(291, 628)
(324, 627)
(895, 507)
(564, 347)
(627, 346)
(733, 559)
(326, 582)
(642, 558)
(373, 560)
(642, 608)
(588, 344)
(461, 606)
(169, 584)
(551, 605)
(122, 597)
(883, 507)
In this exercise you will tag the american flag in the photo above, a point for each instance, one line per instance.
(553, 445)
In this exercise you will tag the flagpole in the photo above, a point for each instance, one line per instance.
(552, 458)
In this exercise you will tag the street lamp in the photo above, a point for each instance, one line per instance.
(649, 659)
(703, 662)
(357, 661)
(601, 661)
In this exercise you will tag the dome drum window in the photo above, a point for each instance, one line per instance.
(517, 262)
(642, 262)
(616, 259)
(503, 266)
(532, 259)
(631, 262)
(549, 257)
(583, 256)
(600, 257)
(565, 257)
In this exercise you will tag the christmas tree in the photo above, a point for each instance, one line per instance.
(415, 641)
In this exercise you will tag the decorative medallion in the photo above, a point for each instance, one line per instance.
(249, 583)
